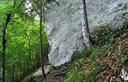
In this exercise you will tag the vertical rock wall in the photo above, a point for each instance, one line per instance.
(64, 23)
(63, 26)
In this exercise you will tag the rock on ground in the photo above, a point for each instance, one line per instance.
(64, 23)
(47, 69)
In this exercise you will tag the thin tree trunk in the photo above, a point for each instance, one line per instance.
(30, 54)
(85, 28)
(8, 17)
(41, 47)
(13, 72)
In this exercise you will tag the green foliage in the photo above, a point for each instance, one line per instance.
(22, 52)
(27, 79)
(6, 7)
(84, 69)
(33, 79)
(38, 79)
(23, 47)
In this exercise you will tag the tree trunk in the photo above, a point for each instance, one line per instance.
(85, 28)
(41, 47)
(8, 17)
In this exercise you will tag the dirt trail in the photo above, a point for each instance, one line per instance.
(55, 76)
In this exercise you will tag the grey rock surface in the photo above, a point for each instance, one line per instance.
(64, 24)
(107, 12)
(47, 69)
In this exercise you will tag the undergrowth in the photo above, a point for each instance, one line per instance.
(104, 61)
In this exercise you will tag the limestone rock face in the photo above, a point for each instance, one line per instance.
(64, 24)
(107, 12)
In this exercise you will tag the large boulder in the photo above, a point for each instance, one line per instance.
(64, 24)
(111, 13)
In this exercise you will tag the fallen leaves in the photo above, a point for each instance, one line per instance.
(115, 61)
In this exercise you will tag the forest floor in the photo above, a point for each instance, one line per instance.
(101, 63)
(106, 61)
(52, 74)
(55, 76)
